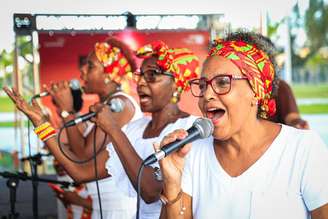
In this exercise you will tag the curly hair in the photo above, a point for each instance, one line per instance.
(263, 43)
(125, 50)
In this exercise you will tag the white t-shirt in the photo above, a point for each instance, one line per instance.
(288, 181)
(144, 148)
(115, 204)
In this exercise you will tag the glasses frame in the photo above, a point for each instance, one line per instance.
(158, 72)
(209, 82)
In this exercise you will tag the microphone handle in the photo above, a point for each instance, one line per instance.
(193, 134)
(80, 119)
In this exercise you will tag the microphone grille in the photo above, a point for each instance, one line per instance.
(75, 84)
(205, 127)
(116, 105)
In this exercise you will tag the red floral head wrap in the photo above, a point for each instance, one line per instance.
(181, 63)
(255, 65)
(114, 61)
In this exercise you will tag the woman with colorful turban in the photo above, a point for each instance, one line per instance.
(163, 76)
(249, 167)
(109, 66)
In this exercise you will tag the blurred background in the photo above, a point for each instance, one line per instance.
(42, 41)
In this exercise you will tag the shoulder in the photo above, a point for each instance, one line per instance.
(138, 124)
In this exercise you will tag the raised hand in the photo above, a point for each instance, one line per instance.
(61, 94)
(172, 165)
(33, 112)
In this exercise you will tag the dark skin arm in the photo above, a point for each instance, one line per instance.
(79, 145)
(80, 173)
(150, 187)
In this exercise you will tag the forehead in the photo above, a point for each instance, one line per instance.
(149, 63)
(215, 65)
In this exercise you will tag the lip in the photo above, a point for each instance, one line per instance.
(144, 98)
(214, 117)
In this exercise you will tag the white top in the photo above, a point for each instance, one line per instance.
(288, 181)
(112, 199)
(144, 148)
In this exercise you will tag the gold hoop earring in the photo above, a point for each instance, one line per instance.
(106, 80)
(175, 97)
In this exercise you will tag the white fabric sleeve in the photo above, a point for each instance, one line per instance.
(314, 184)
(186, 181)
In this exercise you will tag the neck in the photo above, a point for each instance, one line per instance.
(170, 113)
(245, 141)
(108, 91)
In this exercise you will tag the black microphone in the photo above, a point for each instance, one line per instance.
(201, 128)
(116, 105)
(74, 84)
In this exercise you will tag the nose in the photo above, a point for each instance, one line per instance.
(209, 93)
(141, 81)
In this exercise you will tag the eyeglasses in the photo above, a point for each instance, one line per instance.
(151, 75)
(220, 84)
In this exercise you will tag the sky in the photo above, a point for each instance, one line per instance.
(241, 13)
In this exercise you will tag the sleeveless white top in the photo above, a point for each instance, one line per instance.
(115, 204)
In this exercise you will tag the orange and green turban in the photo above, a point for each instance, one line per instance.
(256, 66)
(114, 61)
(180, 62)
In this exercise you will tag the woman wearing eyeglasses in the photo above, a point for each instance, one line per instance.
(164, 75)
(249, 167)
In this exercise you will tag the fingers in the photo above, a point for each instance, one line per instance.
(10, 94)
(176, 135)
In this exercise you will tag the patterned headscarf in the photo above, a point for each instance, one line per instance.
(181, 63)
(255, 65)
(114, 61)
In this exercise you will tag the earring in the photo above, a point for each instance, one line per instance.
(106, 80)
(175, 97)
(255, 103)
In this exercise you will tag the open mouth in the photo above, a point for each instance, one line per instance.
(215, 114)
(144, 98)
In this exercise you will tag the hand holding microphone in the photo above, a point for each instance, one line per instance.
(101, 114)
(61, 93)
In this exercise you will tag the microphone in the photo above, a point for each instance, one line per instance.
(74, 84)
(116, 105)
(201, 128)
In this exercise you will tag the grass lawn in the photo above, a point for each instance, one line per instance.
(311, 91)
(11, 124)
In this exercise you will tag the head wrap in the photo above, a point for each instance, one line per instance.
(114, 61)
(181, 63)
(255, 65)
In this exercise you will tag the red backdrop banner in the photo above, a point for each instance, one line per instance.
(60, 53)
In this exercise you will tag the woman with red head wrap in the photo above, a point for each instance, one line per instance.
(109, 67)
(249, 167)
(163, 76)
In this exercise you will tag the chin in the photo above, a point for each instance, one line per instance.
(220, 134)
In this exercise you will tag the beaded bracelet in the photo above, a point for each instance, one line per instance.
(45, 131)
(41, 128)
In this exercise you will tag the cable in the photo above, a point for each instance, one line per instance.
(96, 171)
(139, 188)
(60, 144)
